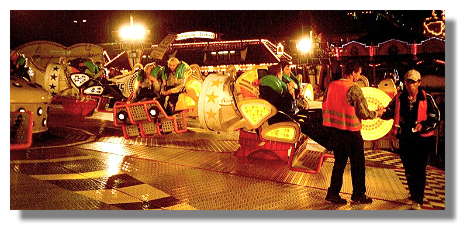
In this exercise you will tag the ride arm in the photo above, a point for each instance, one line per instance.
(389, 110)
(356, 98)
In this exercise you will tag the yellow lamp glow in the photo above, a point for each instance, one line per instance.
(304, 45)
(377, 128)
(308, 92)
(133, 32)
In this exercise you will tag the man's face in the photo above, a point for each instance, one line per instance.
(287, 70)
(412, 86)
(279, 74)
(357, 75)
(172, 65)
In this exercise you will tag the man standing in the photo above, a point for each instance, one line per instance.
(343, 108)
(415, 117)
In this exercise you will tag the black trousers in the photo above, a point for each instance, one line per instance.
(171, 105)
(348, 144)
(414, 152)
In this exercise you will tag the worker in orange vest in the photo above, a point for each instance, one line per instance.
(416, 117)
(343, 108)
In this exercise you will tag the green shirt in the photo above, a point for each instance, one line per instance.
(275, 83)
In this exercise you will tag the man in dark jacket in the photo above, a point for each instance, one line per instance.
(416, 116)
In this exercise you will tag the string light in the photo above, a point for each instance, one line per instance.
(435, 25)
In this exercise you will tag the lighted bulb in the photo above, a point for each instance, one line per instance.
(304, 45)
(133, 32)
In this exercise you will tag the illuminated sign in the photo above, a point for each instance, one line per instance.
(195, 34)
(280, 49)
(435, 25)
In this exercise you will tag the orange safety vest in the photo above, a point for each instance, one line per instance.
(422, 115)
(337, 112)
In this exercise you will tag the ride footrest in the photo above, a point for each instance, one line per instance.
(21, 130)
(167, 125)
(146, 119)
(308, 161)
(130, 131)
(135, 113)
(252, 144)
(181, 122)
(149, 129)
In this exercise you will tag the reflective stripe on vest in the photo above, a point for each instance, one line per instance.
(422, 115)
(337, 112)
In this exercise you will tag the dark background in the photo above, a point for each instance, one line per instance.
(101, 26)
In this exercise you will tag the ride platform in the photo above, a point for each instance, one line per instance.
(86, 163)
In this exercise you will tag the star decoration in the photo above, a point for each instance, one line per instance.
(53, 93)
(211, 115)
(211, 98)
(217, 83)
(53, 76)
(52, 86)
(56, 68)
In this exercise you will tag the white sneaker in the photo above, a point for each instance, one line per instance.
(415, 206)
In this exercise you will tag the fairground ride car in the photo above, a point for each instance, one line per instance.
(29, 104)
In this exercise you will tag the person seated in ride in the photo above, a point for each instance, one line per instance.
(18, 65)
(289, 78)
(86, 66)
(173, 79)
(282, 96)
(147, 85)
(277, 92)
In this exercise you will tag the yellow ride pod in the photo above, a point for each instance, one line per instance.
(388, 86)
(283, 131)
(217, 109)
(193, 88)
(256, 111)
(196, 72)
(244, 84)
(27, 96)
(189, 99)
(185, 102)
(377, 128)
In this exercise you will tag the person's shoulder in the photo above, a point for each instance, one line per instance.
(423, 94)
(355, 88)
(269, 77)
(184, 65)
(428, 96)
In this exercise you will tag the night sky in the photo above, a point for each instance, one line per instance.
(101, 25)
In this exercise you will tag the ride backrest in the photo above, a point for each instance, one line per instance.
(287, 131)
(247, 84)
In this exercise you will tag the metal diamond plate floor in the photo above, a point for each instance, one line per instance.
(196, 170)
